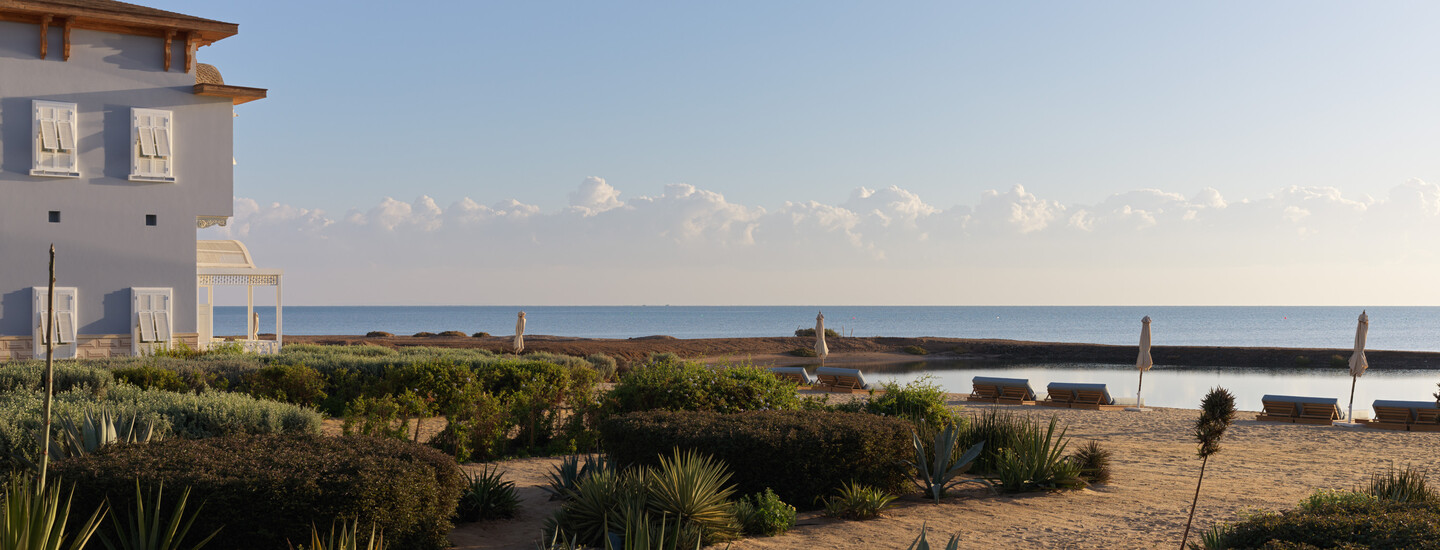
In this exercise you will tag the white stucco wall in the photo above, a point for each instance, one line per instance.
(103, 245)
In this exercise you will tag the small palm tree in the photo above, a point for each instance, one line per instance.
(1217, 412)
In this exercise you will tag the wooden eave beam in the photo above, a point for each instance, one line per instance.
(169, 36)
(237, 94)
(69, 22)
(44, 40)
(208, 32)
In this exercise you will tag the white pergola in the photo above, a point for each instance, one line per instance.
(228, 263)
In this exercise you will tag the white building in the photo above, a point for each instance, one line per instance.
(115, 146)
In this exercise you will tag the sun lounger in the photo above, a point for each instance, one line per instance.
(1301, 410)
(1014, 391)
(1393, 415)
(837, 379)
(1427, 417)
(794, 374)
(1095, 397)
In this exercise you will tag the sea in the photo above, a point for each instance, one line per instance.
(1391, 328)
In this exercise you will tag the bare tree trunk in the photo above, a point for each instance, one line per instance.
(49, 332)
(1193, 503)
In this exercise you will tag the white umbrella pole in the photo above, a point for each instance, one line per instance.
(1138, 402)
(1351, 414)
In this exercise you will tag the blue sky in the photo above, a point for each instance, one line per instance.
(769, 107)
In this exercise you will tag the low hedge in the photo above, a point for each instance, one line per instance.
(690, 386)
(1375, 523)
(801, 455)
(268, 489)
(69, 375)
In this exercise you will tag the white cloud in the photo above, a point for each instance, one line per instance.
(700, 233)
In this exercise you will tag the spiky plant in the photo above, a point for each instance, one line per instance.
(1408, 485)
(487, 495)
(148, 529)
(694, 488)
(1094, 461)
(1036, 461)
(566, 475)
(347, 538)
(95, 431)
(921, 543)
(35, 518)
(858, 501)
(1217, 412)
(936, 473)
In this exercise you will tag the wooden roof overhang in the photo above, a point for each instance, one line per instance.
(118, 17)
(237, 94)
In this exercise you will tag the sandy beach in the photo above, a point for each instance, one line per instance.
(1263, 466)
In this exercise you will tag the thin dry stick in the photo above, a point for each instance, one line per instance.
(1193, 503)
(49, 369)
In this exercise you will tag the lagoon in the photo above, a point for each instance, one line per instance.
(1180, 387)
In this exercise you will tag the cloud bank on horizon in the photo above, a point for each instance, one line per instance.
(1298, 245)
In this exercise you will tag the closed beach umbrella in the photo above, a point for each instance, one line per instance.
(1143, 362)
(1357, 359)
(520, 333)
(821, 350)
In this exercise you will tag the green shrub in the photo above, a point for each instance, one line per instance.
(1324, 501)
(423, 334)
(915, 350)
(295, 384)
(453, 333)
(272, 488)
(605, 366)
(378, 334)
(68, 376)
(810, 333)
(764, 514)
(375, 417)
(803, 352)
(476, 431)
(480, 335)
(1094, 462)
(487, 495)
(185, 415)
(152, 378)
(1352, 522)
(692, 386)
(1302, 361)
(921, 401)
(818, 449)
(662, 358)
(1339, 362)
(856, 501)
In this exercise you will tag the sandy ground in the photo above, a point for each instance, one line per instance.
(1263, 465)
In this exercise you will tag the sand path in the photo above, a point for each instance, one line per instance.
(1263, 465)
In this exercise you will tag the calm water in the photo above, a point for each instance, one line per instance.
(1398, 328)
(1184, 387)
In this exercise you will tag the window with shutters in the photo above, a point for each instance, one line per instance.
(151, 142)
(151, 326)
(63, 331)
(55, 131)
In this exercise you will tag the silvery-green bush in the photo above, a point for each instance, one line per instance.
(188, 415)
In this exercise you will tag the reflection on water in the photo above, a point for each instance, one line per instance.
(1181, 386)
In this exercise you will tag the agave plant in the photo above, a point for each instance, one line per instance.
(348, 538)
(35, 518)
(566, 475)
(921, 543)
(693, 488)
(857, 501)
(1038, 461)
(598, 505)
(94, 432)
(147, 528)
(935, 474)
(487, 495)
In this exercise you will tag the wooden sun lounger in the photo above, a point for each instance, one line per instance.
(1426, 420)
(1277, 411)
(1062, 399)
(1095, 397)
(1096, 400)
(840, 380)
(797, 375)
(1318, 413)
(1012, 391)
(1388, 417)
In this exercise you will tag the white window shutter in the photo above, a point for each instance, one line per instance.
(64, 331)
(152, 144)
(153, 329)
(56, 126)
